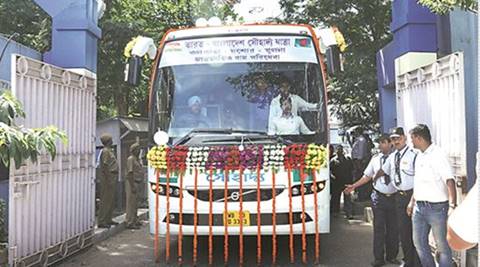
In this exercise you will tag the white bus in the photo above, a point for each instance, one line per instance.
(215, 87)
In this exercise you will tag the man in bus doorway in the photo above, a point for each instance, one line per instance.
(385, 228)
(109, 173)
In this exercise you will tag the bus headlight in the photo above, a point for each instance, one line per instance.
(308, 188)
(174, 191)
(295, 191)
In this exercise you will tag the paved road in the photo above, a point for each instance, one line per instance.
(348, 244)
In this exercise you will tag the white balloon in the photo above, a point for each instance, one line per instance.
(201, 22)
(214, 21)
(161, 138)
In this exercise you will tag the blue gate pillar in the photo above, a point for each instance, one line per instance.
(414, 30)
(74, 33)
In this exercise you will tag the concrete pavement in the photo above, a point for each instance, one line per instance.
(348, 244)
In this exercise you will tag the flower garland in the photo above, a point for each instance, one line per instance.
(274, 157)
(177, 158)
(251, 157)
(127, 51)
(196, 157)
(157, 157)
(217, 158)
(316, 157)
(342, 45)
(295, 156)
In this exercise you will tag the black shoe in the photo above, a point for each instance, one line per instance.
(378, 263)
(104, 226)
(113, 223)
(394, 261)
(349, 217)
(133, 227)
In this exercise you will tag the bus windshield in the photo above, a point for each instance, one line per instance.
(212, 89)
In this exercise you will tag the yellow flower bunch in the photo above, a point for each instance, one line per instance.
(342, 45)
(127, 52)
(157, 157)
(316, 157)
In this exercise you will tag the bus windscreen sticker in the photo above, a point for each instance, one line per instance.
(238, 49)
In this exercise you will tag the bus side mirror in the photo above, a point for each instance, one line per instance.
(133, 70)
(334, 60)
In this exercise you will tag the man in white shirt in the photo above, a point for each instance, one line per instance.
(385, 228)
(288, 123)
(400, 167)
(297, 102)
(462, 232)
(433, 190)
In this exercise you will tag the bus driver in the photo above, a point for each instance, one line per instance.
(297, 103)
(288, 123)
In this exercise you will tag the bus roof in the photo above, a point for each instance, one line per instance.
(237, 30)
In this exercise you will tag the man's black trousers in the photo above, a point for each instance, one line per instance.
(385, 227)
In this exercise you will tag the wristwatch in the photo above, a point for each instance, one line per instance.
(452, 205)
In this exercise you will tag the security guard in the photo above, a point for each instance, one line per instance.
(400, 166)
(132, 184)
(109, 173)
(385, 229)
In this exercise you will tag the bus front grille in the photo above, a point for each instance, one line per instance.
(265, 219)
(233, 195)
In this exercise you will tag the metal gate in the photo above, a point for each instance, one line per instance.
(435, 95)
(51, 204)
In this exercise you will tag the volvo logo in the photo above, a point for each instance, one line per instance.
(235, 196)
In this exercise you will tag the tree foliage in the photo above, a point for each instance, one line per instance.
(444, 6)
(27, 19)
(20, 143)
(124, 20)
(365, 26)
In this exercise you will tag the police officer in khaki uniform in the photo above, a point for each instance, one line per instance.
(132, 183)
(109, 173)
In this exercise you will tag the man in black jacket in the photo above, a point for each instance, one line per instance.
(342, 170)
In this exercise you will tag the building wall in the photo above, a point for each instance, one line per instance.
(414, 30)
(464, 37)
(13, 48)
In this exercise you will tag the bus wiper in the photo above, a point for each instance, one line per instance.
(197, 131)
(270, 139)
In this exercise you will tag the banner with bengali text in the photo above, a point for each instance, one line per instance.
(239, 49)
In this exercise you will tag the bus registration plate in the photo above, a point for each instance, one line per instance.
(233, 218)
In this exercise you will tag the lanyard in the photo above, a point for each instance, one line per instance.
(398, 178)
(403, 154)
